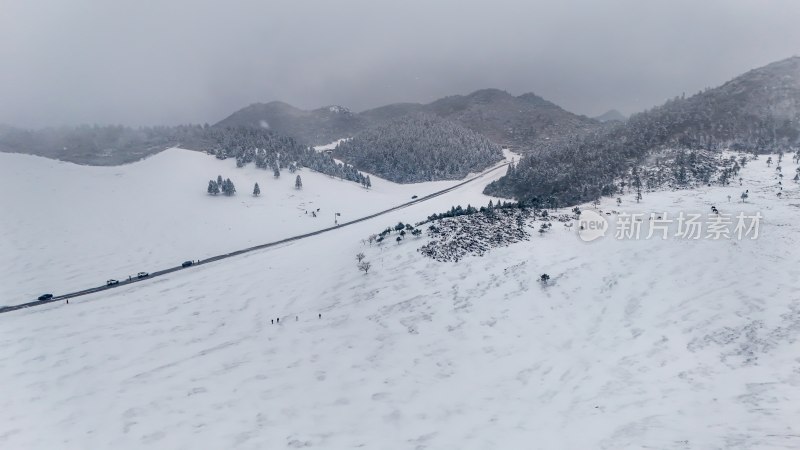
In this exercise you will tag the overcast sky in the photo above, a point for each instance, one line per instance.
(146, 62)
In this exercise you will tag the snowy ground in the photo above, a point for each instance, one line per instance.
(66, 227)
(671, 344)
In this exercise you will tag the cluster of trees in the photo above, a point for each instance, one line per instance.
(402, 229)
(454, 238)
(224, 186)
(362, 264)
(601, 165)
(270, 151)
(456, 211)
(419, 147)
(756, 112)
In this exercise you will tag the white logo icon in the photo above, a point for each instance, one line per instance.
(591, 226)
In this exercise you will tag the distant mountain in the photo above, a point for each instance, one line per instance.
(391, 112)
(315, 127)
(611, 116)
(758, 111)
(419, 147)
(522, 122)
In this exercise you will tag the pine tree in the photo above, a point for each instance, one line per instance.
(213, 187)
(276, 172)
(298, 184)
(256, 190)
(228, 188)
(219, 181)
(368, 183)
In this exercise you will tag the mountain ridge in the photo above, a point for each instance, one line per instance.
(514, 121)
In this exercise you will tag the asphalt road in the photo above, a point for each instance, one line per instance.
(158, 273)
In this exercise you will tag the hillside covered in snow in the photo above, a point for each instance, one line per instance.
(758, 112)
(631, 343)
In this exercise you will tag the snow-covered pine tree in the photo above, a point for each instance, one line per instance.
(256, 190)
(228, 188)
(213, 187)
(298, 183)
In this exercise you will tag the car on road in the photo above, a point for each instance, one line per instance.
(141, 275)
(45, 296)
(112, 282)
(412, 198)
(187, 264)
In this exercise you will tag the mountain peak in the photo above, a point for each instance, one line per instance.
(611, 115)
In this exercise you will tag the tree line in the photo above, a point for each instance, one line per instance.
(419, 147)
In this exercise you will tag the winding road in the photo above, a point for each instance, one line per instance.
(246, 250)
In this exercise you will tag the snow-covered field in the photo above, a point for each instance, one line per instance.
(66, 227)
(672, 344)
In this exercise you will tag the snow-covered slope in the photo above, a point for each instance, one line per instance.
(669, 344)
(66, 227)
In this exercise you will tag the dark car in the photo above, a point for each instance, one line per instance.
(412, 198)
(142, 275)
(45, 296)
(187, 264)
(112, 282)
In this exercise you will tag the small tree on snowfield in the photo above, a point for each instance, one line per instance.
(298, 183)
(213, 187)
(544, 278)
(228, 187)
(360, 257)
(256, 190)
(219, 181)
(364, 266)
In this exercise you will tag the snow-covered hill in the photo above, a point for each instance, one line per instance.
(65, 227)
(668, 344)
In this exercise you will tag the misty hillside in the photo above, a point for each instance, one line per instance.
(316, 127)
(611, 115)
(91, 145)
(419, 147)
(522, 122)
(114, 145)
(758, 111)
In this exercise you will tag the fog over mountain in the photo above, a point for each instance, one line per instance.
(165, 63)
